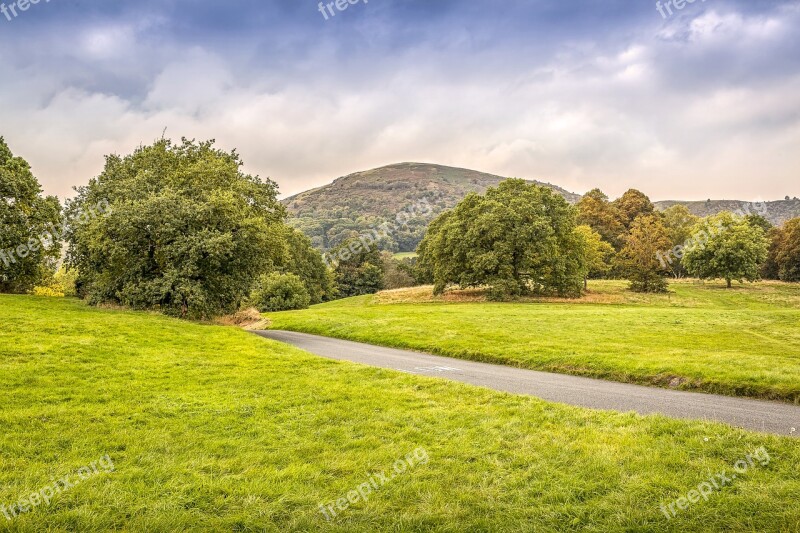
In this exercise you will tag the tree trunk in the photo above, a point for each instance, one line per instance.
(585, 283)
(730, 285)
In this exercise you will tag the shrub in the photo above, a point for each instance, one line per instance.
(280, 292)
(47, 292)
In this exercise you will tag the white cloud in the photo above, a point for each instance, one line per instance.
(614, 118)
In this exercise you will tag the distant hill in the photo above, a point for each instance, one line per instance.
(355, 204)
(776, 212)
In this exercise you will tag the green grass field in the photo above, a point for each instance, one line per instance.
(744, 341)
(405, 255)
(213, 429)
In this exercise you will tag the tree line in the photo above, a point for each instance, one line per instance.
(520, 239)
(178, 227)
(183, 230)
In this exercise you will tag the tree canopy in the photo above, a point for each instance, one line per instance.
(786, 246)
(599, 253)
(632, 205)
(727, 247)
(188, 232)
(30, 226)
(516, 239)
(639, 257)
(679, 223)
(303, 260)
(359, 268)
(595, 211)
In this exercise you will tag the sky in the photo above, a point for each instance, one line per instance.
(701, 103)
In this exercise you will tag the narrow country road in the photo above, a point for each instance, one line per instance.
(763, 416)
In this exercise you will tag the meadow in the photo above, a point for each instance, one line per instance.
(211, 428)
(743, 341)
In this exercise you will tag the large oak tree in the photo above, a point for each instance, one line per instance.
(516, 239)
(188, 232)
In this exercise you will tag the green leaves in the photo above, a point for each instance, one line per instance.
(517, 239)
(639, 257)
(28, 251)
(728, 247)
(188, 232)
(279, 292)
(359, 269)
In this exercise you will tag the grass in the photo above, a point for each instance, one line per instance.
(212, 429)
(405, 255)
(740, 342)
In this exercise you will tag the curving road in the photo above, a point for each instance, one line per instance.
(763, 416)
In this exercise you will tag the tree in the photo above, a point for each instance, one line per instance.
(787, 256)
(30, 241)
(754, 219)
(359, 269)
(396, 273)
(728, 247)
(679, 222)
(516, 239)
(632, 205)
(770, 268)
(595, 211)
(188, 232)
(639, 257)
(306, 262)
(599, 254)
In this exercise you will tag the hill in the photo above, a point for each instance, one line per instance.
(355, 204)
(417, 193)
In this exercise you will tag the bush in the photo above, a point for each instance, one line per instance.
(47, 292)
(280, 292)
(59, 285)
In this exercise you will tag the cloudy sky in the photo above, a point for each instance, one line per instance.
(581, 93)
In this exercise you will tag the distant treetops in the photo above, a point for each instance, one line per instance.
(521, 239)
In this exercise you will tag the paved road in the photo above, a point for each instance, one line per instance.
(763, 416)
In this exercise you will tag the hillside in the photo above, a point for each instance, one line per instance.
(360, 202)
(356, 204)
(776, 212)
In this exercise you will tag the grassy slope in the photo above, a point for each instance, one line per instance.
(211, 428)
(405, 255)
(744, 341)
